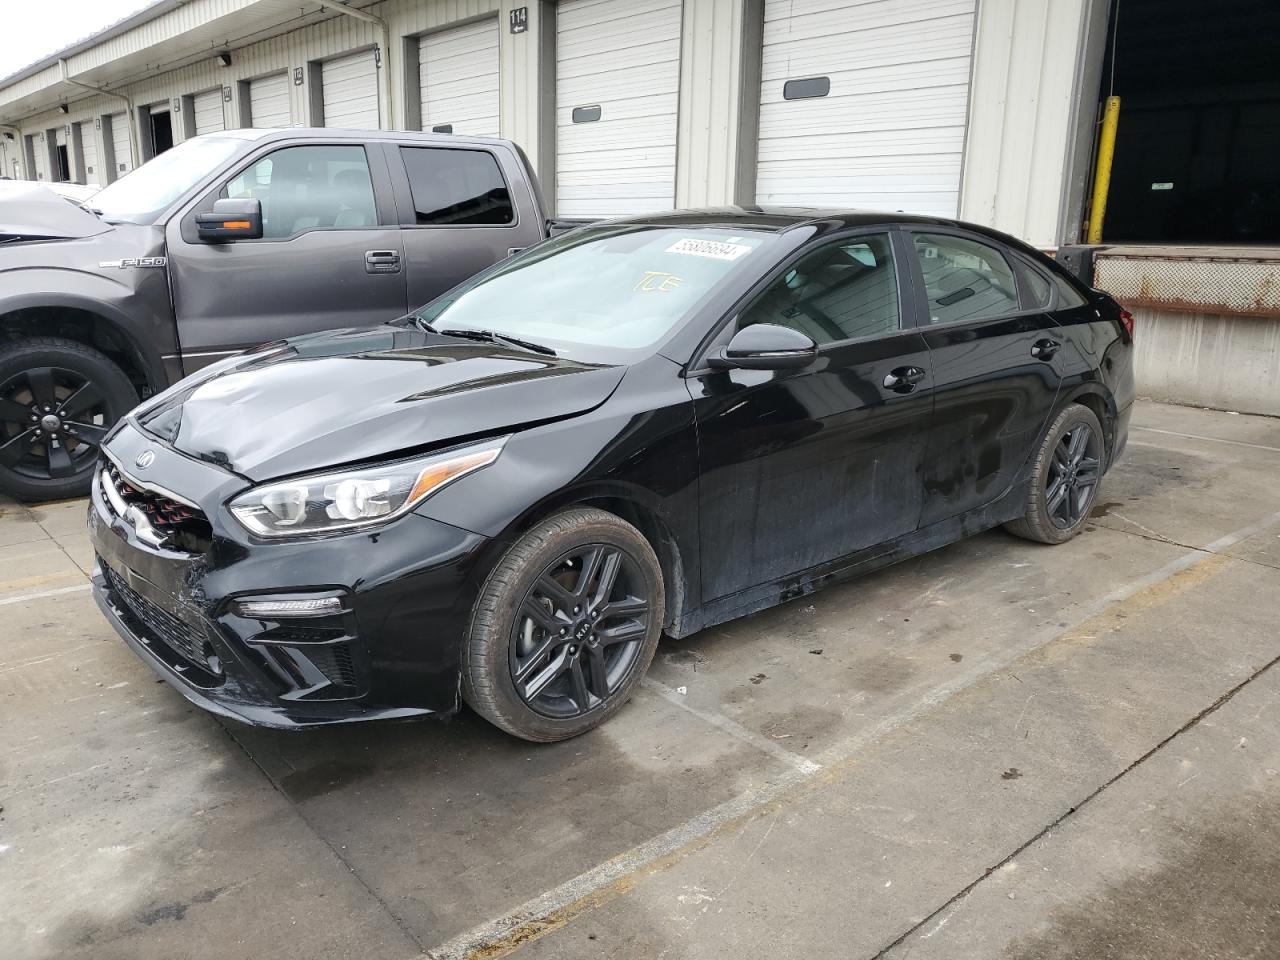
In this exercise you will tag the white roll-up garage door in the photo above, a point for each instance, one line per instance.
(40, 152)
(89, 154)
(120, 143)
(207, 109)
(458, 72)
(349, 88)
(864, 105)
(617, 87)
(269, 101)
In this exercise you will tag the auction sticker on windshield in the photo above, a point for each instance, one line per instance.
(716, 249)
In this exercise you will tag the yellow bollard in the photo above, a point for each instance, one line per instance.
(1102, 171)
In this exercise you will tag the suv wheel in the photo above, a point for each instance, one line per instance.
(58, 398)
(564, 627)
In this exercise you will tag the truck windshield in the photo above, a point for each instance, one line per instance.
(144, 194)
(604, 292)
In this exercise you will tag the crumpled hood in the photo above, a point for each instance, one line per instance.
(354, 395)
(31, 211)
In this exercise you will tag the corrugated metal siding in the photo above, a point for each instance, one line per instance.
(1019, 129)
(458, 71)
(207, 108)
(710, 106)
(349, 87)
(890, 134)
(269, 101)
(625, 58)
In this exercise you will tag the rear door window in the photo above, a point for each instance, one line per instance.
(964, 279)
(456, 187)
(318, 187)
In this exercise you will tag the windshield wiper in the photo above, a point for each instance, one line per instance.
(489, 336)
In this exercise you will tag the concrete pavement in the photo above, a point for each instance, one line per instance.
(999, 749)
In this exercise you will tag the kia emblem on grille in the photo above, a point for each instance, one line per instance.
(145, 459)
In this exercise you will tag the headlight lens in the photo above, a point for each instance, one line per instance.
(346, 499)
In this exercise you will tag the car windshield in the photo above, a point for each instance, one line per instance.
(601, 293)
(144, 194)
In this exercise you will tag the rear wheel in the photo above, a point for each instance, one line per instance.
(58, 398)
(565, 627)
(1065, 478)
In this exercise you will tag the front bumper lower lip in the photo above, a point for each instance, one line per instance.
(257, 715)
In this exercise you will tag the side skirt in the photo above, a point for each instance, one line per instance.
(754, 599)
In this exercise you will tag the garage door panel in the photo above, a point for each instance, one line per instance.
(207, 110)
(269, 102)
(890, 132)
(349, 91)
(89, 153)
(120, 143)
(625, 58)
(459, 74)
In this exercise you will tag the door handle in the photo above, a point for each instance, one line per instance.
(1044, 349)
(381, 261)
(903, 379)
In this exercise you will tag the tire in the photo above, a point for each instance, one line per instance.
(1049, 519)
(45, 458)
(534, 589)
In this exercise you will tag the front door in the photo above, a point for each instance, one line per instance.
(802, 467)
(330, 255)
(996, 370)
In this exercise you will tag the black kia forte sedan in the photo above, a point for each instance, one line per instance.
(643, 426)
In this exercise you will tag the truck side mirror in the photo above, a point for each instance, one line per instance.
(231, 220)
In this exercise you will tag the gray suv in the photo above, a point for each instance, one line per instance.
(226, 241)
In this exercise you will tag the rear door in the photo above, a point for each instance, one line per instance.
(330, 255)
(802, 467)
(997, 367)
(462, 208)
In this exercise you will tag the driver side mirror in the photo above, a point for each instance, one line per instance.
(231, 220)
(765, 346)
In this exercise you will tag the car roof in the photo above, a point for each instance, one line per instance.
(826, 220)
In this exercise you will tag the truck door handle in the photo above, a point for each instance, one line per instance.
(1044, 349)
(903, 379)
(381, 261)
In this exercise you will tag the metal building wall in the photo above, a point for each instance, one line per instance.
(1020, 130)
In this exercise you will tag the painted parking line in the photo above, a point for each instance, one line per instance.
(733, 728)
(553, 909)
(1199, 436)
(24, 597)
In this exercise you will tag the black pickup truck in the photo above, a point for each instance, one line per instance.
(226, 241)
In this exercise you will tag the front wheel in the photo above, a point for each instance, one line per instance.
(58, 398)
(1064, 479)
(564, 627)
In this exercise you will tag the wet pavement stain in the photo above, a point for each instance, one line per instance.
(957, 657)
(1104, 509)
(1214, 896)
(324, 777)
(1013, 773)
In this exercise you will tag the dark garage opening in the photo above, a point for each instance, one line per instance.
(161, 133)
(63, 173)
(1198, 148)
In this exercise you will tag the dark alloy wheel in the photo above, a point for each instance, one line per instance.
(58, 399)
(564, 627)
(1073, 476)
(579, 630)
(1065, 476)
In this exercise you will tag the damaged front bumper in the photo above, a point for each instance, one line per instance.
(384, 643)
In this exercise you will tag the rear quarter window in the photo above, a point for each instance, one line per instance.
(456, 187)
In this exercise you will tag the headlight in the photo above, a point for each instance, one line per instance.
(346, 499)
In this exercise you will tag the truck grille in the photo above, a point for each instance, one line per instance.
(188, 641)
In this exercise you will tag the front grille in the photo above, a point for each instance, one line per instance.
(189, 641)
(165, 522)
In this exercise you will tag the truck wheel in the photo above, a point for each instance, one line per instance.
(58, 398)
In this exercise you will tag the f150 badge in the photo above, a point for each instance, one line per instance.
(135, 262)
